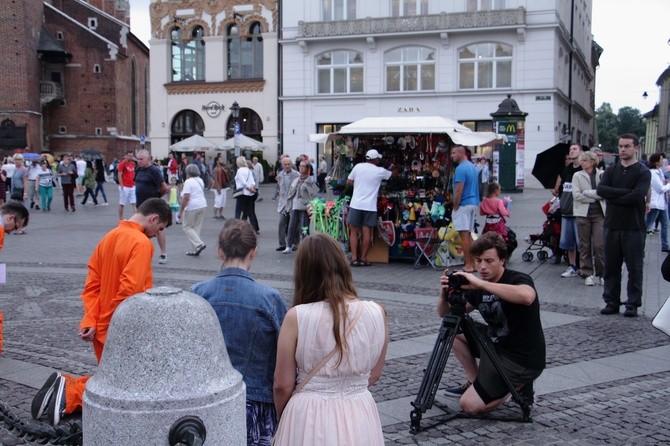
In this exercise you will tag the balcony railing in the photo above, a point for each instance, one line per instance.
(433, 22)
(50, 91)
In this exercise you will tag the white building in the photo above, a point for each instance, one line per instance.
(348, 59)
(204, 57)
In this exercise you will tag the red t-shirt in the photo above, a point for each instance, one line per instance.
(172, 166)
(127, 173)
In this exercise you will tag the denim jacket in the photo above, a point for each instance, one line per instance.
(250, 315)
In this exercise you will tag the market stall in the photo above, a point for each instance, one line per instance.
(417, 196)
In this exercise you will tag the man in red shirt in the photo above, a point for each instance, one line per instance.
(172, 167)
(126, 173)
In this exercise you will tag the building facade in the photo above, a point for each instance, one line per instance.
(344, 60)
(205, 56)
(77, 78)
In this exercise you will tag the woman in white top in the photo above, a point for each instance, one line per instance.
(658, 202)
(192, 209)
(244, 206)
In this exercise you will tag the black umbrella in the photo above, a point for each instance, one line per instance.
(550, 163)
(91, 154)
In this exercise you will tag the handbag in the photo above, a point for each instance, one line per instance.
(17, 194)
(238, 192)
(662, 318)
(325, 360)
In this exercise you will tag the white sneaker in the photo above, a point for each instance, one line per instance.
(570, 272)
(589, 281)
(601, 280)
(287, 250)
(162, 259)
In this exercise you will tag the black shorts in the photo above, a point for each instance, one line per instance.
(358, 218)
(490, 386)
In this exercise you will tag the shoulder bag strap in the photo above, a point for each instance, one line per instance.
(325, 360)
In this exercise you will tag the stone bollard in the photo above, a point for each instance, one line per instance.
(164, 361)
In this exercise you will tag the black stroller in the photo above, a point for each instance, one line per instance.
(549, 238)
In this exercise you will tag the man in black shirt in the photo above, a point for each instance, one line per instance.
(624, 185)
(150, 183)
(508, 302)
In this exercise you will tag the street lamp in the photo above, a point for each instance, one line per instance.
(235, 111)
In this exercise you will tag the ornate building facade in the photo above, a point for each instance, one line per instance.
(74, 77)
(206, 55)
(344, 60)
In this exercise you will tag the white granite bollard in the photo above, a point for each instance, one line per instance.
(164, 359)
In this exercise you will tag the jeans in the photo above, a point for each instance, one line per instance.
(89, 192)
(651, 218)
(68, 195)
(299, 219)
(244, 208)
(623, 246)
(284, 219)
(100, 188)
(46, 195)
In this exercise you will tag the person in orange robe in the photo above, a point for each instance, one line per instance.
(119, 267)
(14, 216)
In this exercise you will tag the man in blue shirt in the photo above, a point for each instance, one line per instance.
(465, 202)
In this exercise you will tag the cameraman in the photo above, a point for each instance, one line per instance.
(508, 302)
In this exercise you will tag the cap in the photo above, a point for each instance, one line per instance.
(372, 154)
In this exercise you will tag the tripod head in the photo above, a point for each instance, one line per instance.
(457, 302)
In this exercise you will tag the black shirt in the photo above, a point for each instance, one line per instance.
(514, 328)
(625, 189)
(147, 183)
(566, 189)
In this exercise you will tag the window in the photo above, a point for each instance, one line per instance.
(92, 22)
(485, 5)
(408, 7)
(98, 131)
(410, 69)
(59, 35)
(485, 65)
(188, 55)
(338, 10)
(339, 72)
(62, 129)
(185, 124)
(97, 68)
(245, 54)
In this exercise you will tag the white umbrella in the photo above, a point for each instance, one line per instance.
(193, 144)
(244, 142)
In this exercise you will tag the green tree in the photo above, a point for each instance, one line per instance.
(630, 121)
(607, 123)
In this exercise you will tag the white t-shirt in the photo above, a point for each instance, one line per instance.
(81, 168)
(367, 177)
(195, 189)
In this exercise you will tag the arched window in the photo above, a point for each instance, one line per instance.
(245, 56)
(251, 124)
(338, 10)
(133, 98)
(410, 68)
(188, 55)
(485, 65)
(401, 8)
(339, 72)
(186, 123)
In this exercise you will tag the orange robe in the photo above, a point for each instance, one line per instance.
(119, 267)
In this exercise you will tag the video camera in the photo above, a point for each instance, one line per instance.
(455, 295)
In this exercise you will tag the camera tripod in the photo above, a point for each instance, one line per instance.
(452, 323)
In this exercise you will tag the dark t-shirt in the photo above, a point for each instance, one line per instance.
(625, 189)
(566, 189)
(514, 328)
(147, 183)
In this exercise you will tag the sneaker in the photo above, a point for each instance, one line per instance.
(630, 312)
(610, 309)
(104, 204)
(457, 391)
(287, 250)
(56, 405)
(570, 272)
(43, 397)
(281, 248)
(200, 249)
(650, 232)
(601, 280)
(589, 281)
(162, 259)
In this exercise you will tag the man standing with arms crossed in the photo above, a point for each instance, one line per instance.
(119, 267)
(126, 175)
(149, 183)
(624, 185)
(365, 178)
(285, 178)
(465, 202)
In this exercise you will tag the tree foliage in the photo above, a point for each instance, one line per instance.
(611, 125)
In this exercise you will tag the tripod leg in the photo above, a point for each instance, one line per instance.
(471, 331)
(433, 373)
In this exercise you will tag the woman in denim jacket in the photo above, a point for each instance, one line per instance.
(251, 315)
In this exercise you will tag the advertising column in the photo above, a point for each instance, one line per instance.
(508, 158)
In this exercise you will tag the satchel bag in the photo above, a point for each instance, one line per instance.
(662, 318)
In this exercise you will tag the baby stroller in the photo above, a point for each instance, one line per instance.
(549, 237)
(496, 223)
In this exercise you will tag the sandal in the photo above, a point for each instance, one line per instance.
(364, 263)
(355, 263)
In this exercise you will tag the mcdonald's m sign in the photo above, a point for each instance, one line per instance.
(507, 127)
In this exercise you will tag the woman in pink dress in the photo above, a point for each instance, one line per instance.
(331, 348)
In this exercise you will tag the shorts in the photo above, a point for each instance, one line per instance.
(358, 218)
(490, 386)
(569, 235)
(220, 198)
(127, 196)
(464, 218)
(80, 180)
